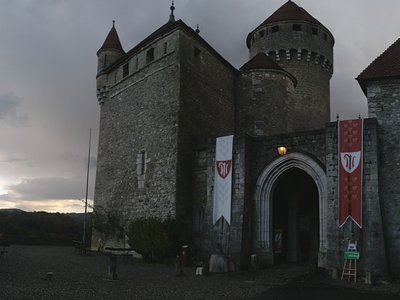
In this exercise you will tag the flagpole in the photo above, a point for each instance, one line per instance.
(87, 189)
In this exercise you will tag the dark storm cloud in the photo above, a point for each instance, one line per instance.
(9, 109)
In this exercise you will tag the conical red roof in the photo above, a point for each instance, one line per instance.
(112, 41)
(290, 11)
(261, 61)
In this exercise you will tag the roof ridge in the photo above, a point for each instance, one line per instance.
(379, 60)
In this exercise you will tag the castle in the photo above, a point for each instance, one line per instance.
(164, 102)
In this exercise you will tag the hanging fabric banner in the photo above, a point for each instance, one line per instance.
(223, 178)
(350, 171)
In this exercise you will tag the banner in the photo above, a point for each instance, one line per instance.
(350, 171)
(223, 178)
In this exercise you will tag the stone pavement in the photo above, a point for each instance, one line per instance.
(23, 275)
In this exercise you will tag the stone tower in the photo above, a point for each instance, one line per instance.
(265, 98)
(109, 52)
(159, 102)
(302, 46)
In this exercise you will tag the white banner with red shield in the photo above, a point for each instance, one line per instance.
(223, 179)
(350, 171)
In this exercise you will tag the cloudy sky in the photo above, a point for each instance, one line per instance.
(48, 67)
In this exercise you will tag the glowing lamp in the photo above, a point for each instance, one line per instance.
(282, 150)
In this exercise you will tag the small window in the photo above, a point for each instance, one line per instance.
(296, 27)
(314, 31)
(275, 29)
(142, 162)
(125, 70)
(150, 55)
(261, 33)
(136, 63)
(196, 52)
(165, 48)
(325, 36)
(105, 61)
(115, 77)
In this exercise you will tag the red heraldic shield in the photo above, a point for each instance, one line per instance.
(350, 171)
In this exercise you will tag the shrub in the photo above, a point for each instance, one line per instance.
(153, 238)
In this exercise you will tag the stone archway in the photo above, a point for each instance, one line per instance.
(263, 203)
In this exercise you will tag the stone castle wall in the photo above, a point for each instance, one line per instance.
(384, 104)
(371, 236)
(206, 111)
(138, 140)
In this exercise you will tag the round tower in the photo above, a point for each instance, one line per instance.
(109, 52)
(265, 97)
(301, 45)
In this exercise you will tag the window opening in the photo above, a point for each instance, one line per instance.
(150, 55)
(296, 27)
(196, 52)
(125, 70)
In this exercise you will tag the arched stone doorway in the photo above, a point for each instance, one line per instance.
(273, 189)
(295, 219)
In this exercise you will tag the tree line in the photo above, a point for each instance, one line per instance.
(41, 228)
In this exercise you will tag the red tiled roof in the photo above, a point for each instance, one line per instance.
(386, 65)
(291, 11)
(112, 41)
(263, 61)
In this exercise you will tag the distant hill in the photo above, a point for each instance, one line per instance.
(41, 228)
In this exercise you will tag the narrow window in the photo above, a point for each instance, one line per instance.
(115, 77)
(105, 61)
(296, 27)
(141, 168)
(150, 55)
(142, 162)
(275, 29)
(125, 70)
(261, 33)
(137, 63)
(325, 36)
(196, 52)
(165, 48)
(314, 31)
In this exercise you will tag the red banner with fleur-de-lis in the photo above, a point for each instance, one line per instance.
(350, 171)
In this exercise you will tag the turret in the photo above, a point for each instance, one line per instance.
(109, 52)
(302, 46)
(265, 89)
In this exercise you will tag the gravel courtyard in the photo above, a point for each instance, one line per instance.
(23, 275)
